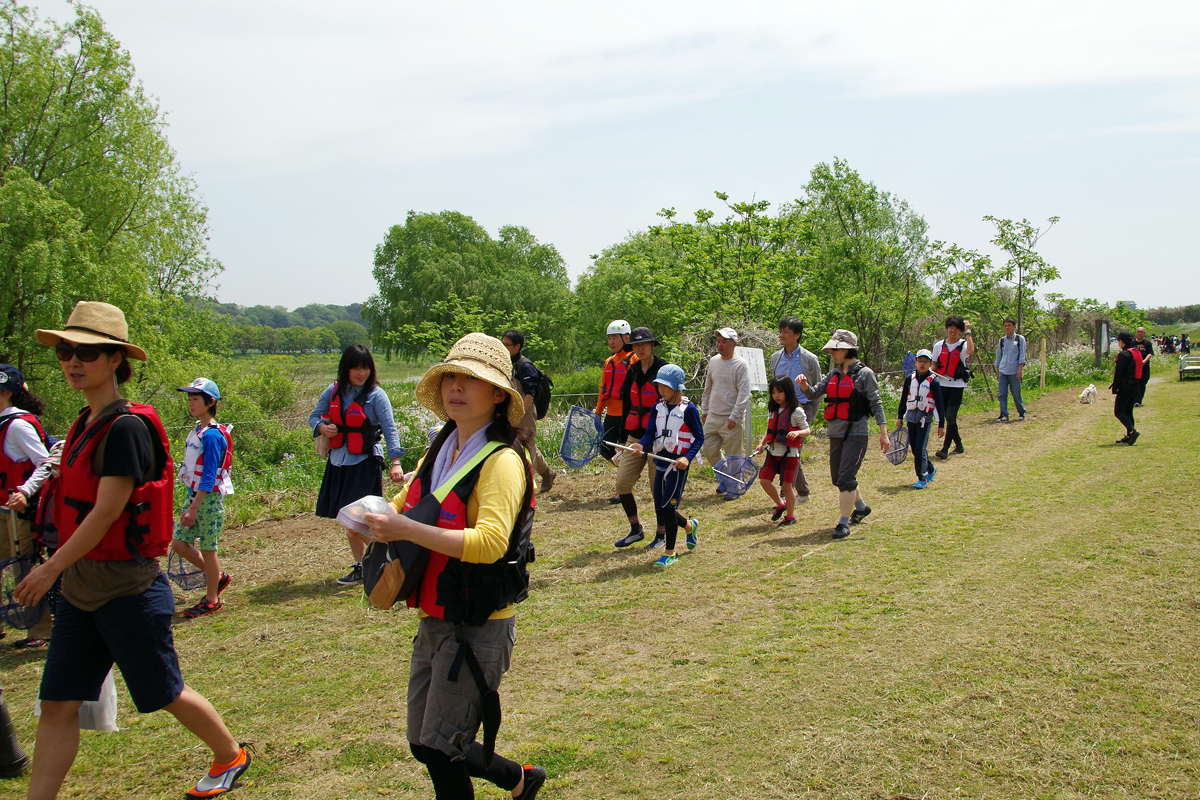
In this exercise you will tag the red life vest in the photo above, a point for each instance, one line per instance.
(143, 529)
(1138, 361)
(642, 397)
(842, 400)
(779, 425)
(355, 429)
(616, 367)
(14, 473)
(948, 360)
(440, 584)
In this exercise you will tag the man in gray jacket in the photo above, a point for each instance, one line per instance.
(794, 361)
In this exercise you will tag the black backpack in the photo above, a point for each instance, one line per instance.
(543, 389)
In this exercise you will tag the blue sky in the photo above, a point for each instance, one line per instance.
(309, 135)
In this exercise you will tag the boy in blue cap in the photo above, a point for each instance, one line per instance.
(207, 460)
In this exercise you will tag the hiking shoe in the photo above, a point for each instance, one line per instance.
(857, 516)
(635, 535)
(788, 521)
(692, 541)
(666, 561)
(942, 454)
(659, 541)
(223, 582)
(200, 609)
(534, 778)
(932, 472)
(920, 484)
(1133, 437)
(778, 513)
(841, 531)
(221, 777)
(352, 577)
(547, 483)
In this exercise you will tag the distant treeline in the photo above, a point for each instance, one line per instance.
(1172, 315)
(310, 316)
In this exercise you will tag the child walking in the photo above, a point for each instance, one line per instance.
(673, 431)
(786, 430)
(207, 460)
(921, 400)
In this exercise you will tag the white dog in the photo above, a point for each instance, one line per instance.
(1088, 395)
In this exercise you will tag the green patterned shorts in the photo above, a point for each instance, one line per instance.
(210, 519)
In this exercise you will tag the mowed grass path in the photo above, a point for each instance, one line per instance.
(1026, 627)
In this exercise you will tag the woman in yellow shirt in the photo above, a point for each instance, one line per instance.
(476, 570)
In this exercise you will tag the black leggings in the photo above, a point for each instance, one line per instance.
(1123, 406)
(669, 522)
(452, 779)
(952, 395)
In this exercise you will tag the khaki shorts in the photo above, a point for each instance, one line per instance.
(629, 469)
(442, 714)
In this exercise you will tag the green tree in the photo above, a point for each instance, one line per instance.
(296, 339)
(1025, 268)
(349, 333)
(324, 339)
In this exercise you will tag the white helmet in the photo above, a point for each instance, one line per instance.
(619, 326)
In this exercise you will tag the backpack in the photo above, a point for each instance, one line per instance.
(543, 390)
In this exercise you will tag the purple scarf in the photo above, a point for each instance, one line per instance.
(446, 462)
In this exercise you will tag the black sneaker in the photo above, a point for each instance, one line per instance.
(841, 531)
(1002, 418)
(659, 541)
(353, 577)
(635, 535)
(958, 451)
(857, 516)
(942, 454)
(1133, 437)
(778, 513)
(534, 778)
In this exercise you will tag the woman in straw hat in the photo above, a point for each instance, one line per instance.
(476, 570)
(851, 398)
(114, 604)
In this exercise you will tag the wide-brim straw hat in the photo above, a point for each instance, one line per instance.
(841, 340)
(92, 322)
(480, 356)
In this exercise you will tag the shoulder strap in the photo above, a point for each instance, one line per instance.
(444, 490)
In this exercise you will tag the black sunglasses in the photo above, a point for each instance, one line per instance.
(86, 353)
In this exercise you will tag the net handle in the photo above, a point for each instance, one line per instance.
(642, 452)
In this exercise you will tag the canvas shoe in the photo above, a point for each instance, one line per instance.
(666, 561)
(202, 608)
(857, 516)
(778, 513)
(221, 777)
(352, 577)
(534, 778)
(920, 484)
(635, 535)
(691, 538)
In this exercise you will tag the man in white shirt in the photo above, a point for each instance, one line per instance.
(726, 398)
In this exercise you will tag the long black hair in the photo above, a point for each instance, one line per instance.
(26, 400)
(354, 357)
(785, 385)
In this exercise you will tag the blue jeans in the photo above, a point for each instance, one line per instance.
(1010, 382)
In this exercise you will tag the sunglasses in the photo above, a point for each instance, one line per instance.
(86, 353)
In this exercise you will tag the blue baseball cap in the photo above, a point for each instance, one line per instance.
(671, 376)
(202, 386)
(11, 378)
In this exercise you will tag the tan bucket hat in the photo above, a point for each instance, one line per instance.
(842, 340)
(92, 322)
(481, 356)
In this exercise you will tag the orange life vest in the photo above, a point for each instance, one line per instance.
(616, 367)
(143, 529)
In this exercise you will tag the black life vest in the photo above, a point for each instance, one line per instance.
(355, 429)
(14, 473)
(642, 397)
(461, 592)
(842, 400)
(143, 529)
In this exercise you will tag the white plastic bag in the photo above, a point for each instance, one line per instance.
(96, 715)
(352, 515)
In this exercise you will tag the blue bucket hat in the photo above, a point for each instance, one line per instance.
(202, 386)
(671, 376)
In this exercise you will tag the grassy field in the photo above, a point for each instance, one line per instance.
(1024, 628)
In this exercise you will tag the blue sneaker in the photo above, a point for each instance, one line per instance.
(691, 537)
(932, 472)
(920, 484)
(666, 561)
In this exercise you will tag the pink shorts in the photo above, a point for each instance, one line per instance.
(771, 468)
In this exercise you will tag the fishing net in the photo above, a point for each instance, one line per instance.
(898, 449)
(735, 475)
(13, 571)
(183, 573)
(582, 436)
